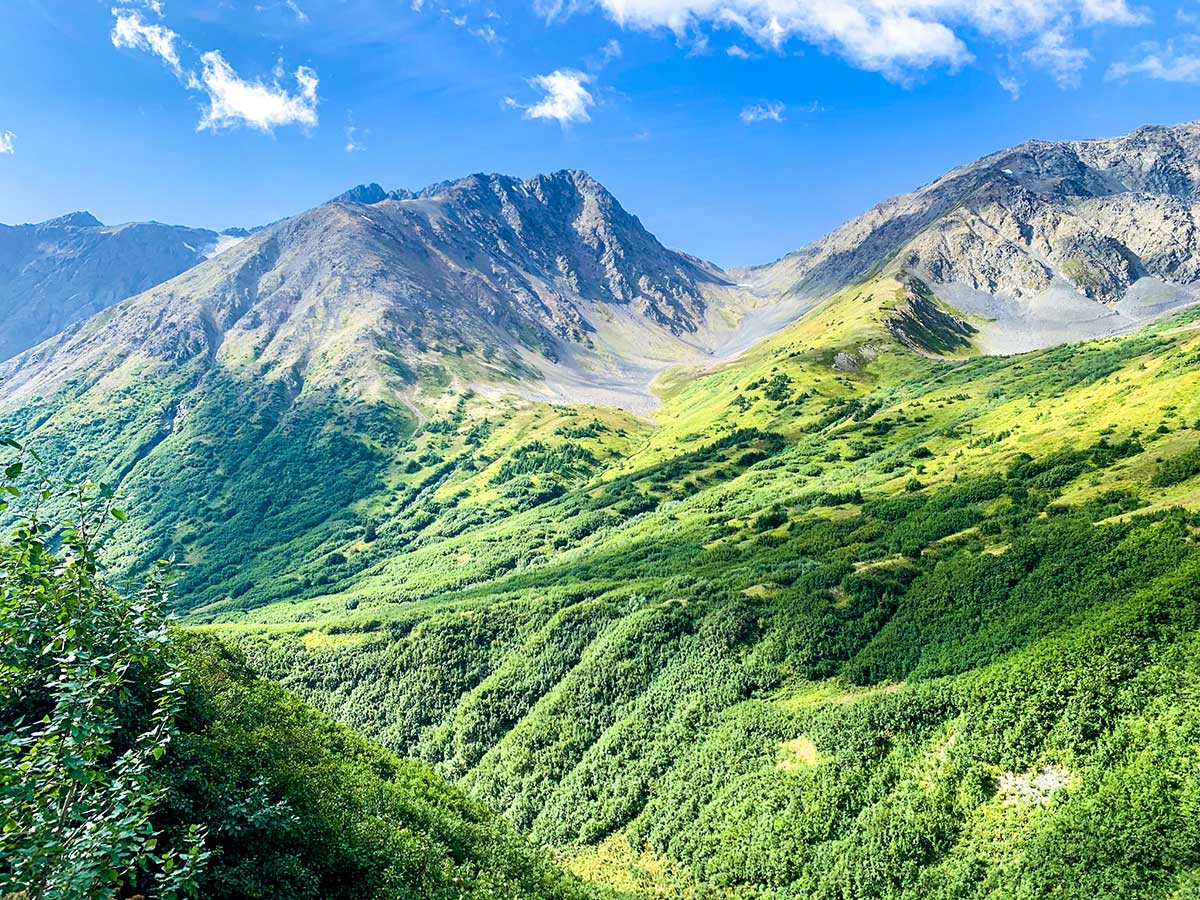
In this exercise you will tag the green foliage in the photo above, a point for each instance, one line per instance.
(306, 809)
(89, 694)
(1177, 469)
(135, 760)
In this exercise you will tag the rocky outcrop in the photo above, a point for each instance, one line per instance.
(921, 324)
(1088, 218)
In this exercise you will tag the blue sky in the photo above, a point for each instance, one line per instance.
(736, 130)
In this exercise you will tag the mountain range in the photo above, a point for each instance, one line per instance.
(59, 272)
(550, 282)
(869, 572)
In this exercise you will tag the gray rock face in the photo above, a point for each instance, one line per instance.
(1085, 218)
(488, 278)
(538, 250)
(61, 271)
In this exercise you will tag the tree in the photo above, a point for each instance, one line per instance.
(89, 690)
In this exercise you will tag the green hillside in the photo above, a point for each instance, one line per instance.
(858, 613)
(140, 761)
(848, 619)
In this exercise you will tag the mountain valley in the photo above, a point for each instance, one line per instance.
(869, 572)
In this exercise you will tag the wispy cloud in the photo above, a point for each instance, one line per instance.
(231, 99)
(354, 143)
(487, 34)
(1011, 84)
(737, 52)
(769, 111)
(132, 31)
(7, 142)
(897, 38)
(1054, 52)
(294, 8)
(1163, 62)
(565, 99)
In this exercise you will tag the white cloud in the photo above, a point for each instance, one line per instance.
(1164, 63)
(131, 31)
(1111, 12)
(894, 37)
(1010, 84)
(7, 142)
(769, 111)
(233, 100)
(155, 6)
(354, 143)
(566, 99)
(610, 51)
(294, 7)
(737, 52)
(1052, 51)
(487, 34)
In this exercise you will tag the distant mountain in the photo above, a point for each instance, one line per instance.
(548, 281)
(1046, 241)
(58, 272)
(302, 362)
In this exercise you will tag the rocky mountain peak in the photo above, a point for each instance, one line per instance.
(73, 220)
(369, 194)
(1049, 241)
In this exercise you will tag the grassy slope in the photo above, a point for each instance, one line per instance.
(855, 634)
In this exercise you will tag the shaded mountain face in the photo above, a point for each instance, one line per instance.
(1047, 241)
(59, 272)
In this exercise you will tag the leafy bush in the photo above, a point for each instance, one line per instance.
(1177, 469)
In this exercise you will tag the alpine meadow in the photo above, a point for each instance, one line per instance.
(468, 543)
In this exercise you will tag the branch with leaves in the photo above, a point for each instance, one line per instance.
(89, 692)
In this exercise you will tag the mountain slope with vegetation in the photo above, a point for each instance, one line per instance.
(139, 760)
(898, 626)
(856, 612)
